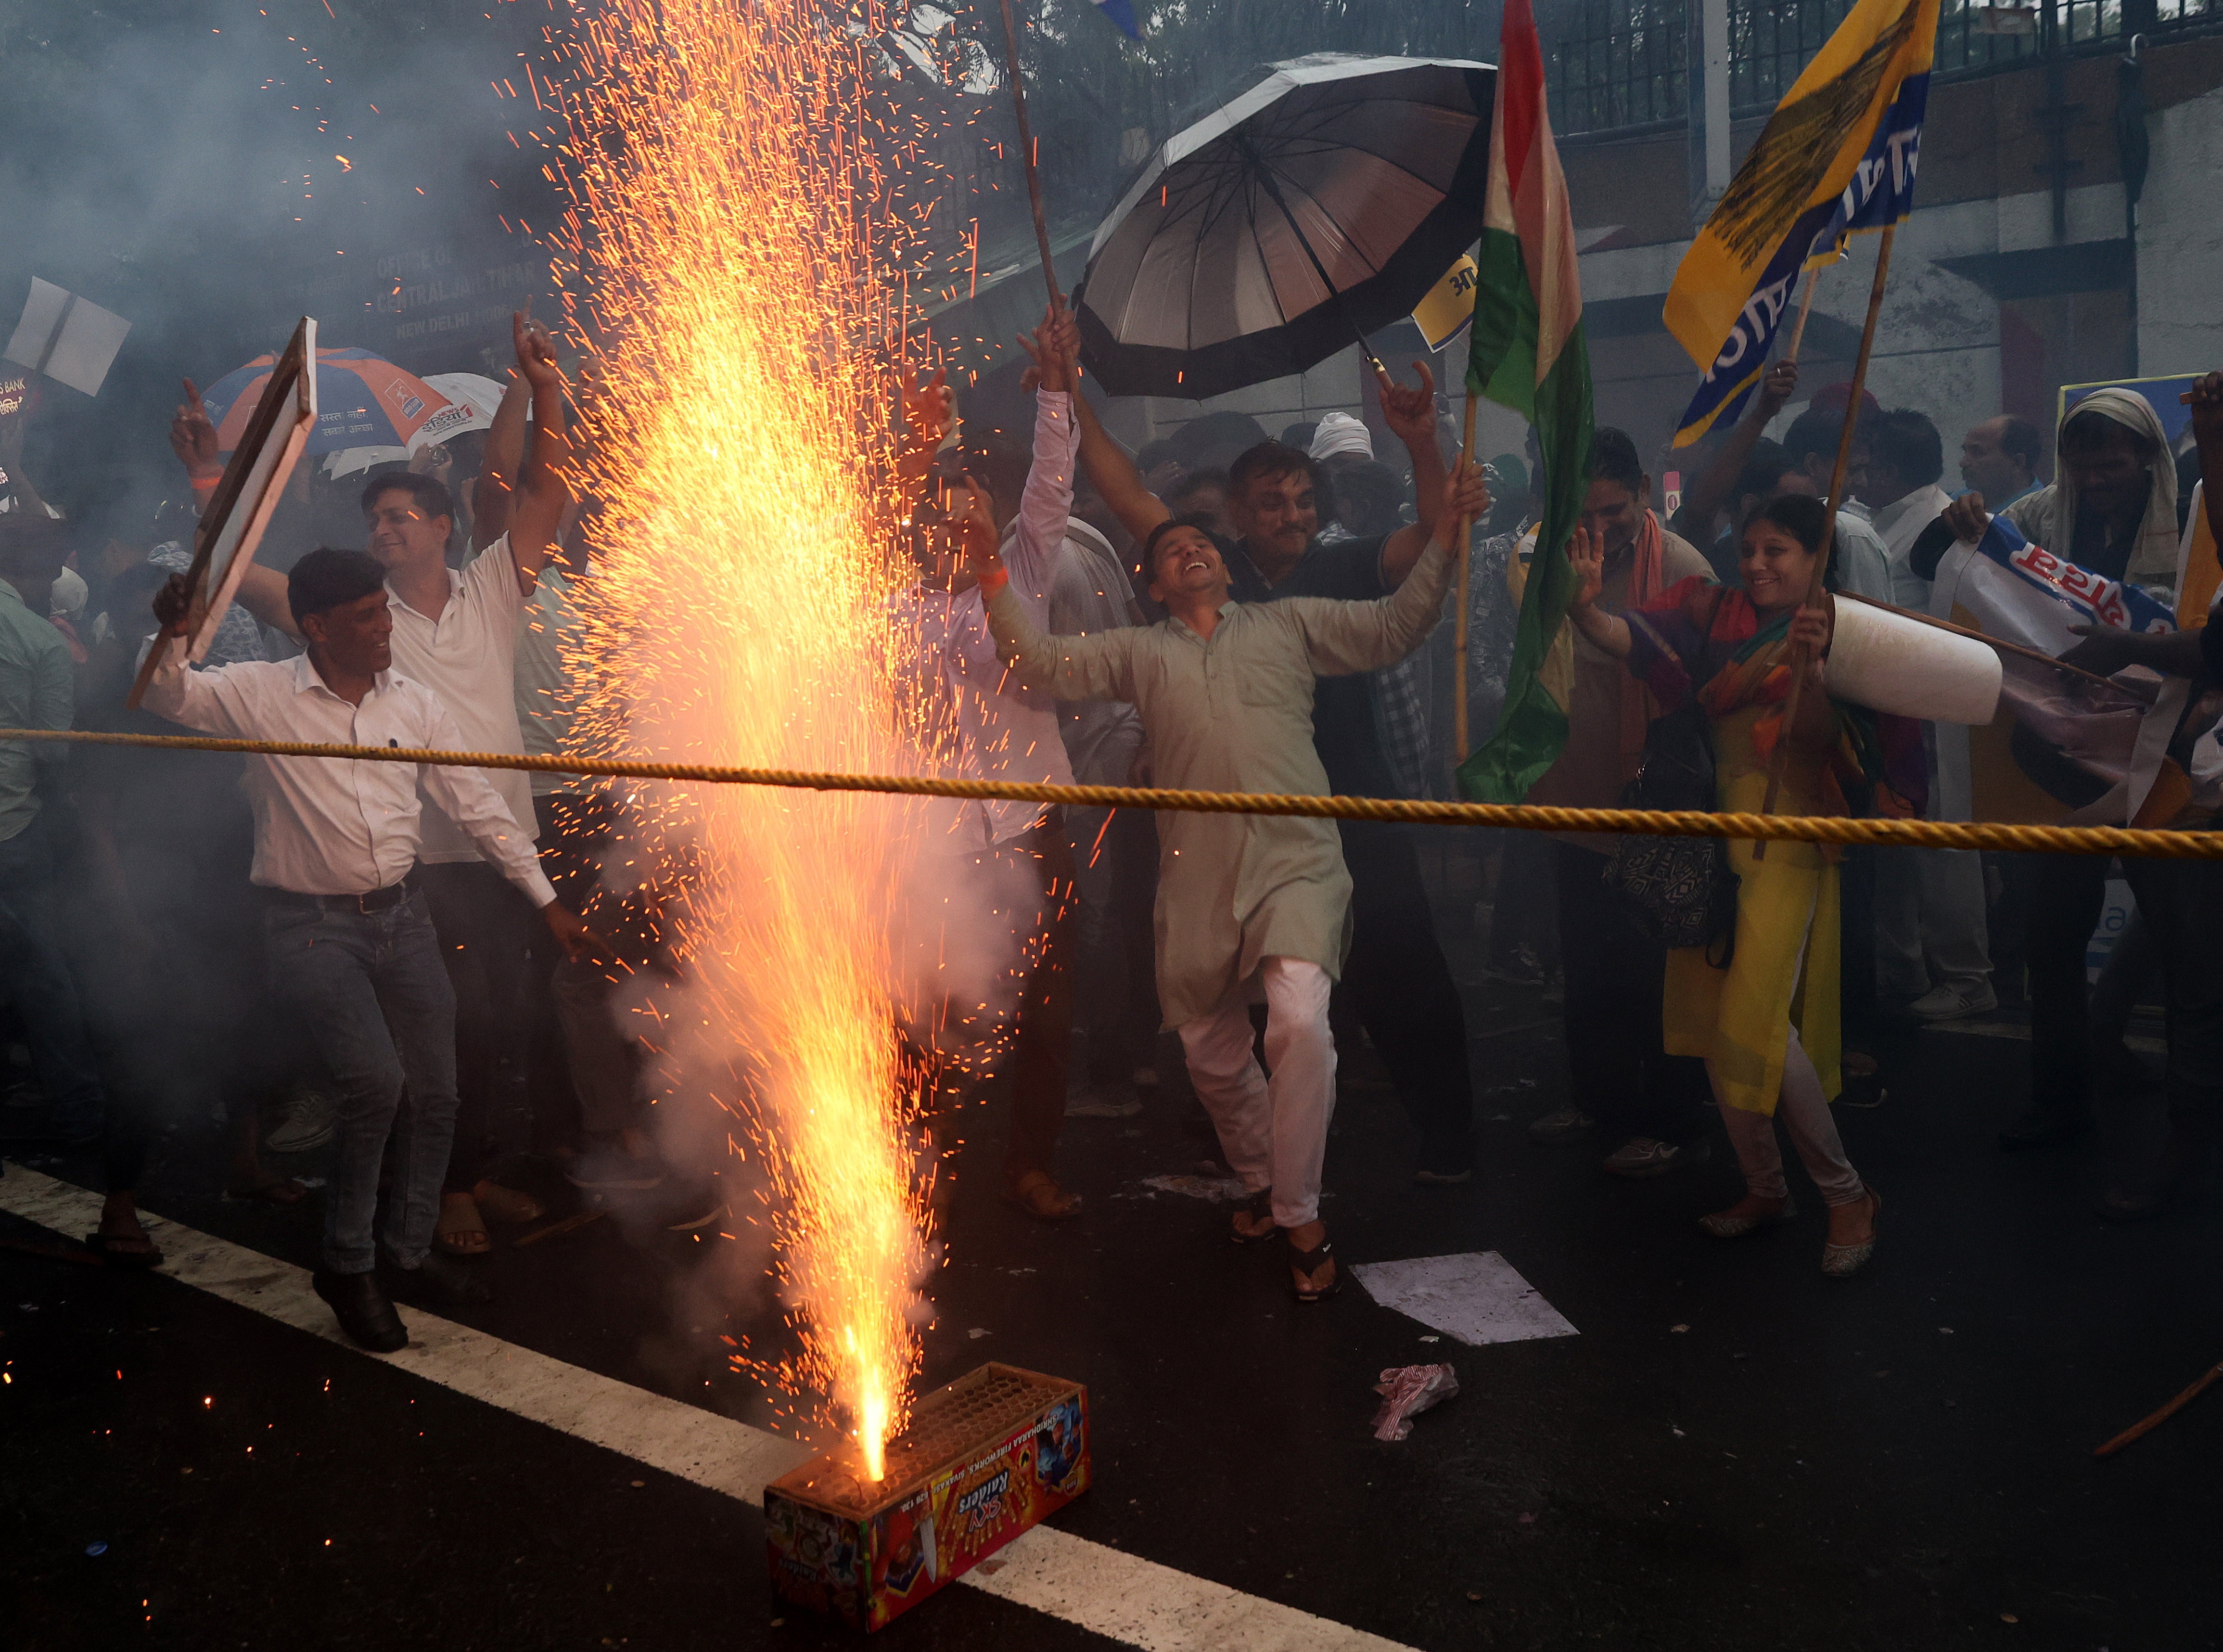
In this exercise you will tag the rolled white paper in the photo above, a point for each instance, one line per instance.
(1887, 662)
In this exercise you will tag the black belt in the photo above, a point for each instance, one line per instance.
(376, 900)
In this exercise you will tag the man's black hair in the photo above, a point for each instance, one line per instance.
(1908, 444)
(1816, 430)
(2023, 442)
(1301, 434)
(1266, 461)
(1149, 559)
(1613, 458)
(325, 578)
(2090, 428)
(430, 492)
(1195, 483)
(1215, 438)
(1763, 468)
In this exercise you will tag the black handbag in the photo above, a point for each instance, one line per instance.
(1682, 886)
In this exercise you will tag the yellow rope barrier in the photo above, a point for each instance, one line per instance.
(1535, 817)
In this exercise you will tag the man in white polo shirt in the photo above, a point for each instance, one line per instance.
(350, 943)
(455, 634)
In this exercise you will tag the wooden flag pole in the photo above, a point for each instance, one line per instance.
(1799, 658)
(1806, 303)
(1459, 731)
(1026, 154)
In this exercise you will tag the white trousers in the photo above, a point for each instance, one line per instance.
(1929, 925)
(1805, 1113)
(1273, 1131)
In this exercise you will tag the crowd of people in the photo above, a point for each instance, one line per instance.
(404, 960)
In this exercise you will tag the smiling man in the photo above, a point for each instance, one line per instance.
(1398, 980)
(1225, 693)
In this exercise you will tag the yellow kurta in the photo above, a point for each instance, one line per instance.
(1785, 971)
(1235, 714)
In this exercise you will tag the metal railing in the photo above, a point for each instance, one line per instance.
(1613, 65)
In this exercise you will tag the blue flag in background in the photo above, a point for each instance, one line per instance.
(1121, 12)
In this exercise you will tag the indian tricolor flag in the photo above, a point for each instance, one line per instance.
(1527, 354)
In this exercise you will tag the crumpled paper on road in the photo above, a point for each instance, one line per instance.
(1408, 1391)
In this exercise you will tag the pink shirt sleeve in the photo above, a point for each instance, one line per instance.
(1031, 554)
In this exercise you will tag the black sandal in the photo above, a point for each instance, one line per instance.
(1260, 1204)
(1309, 1263)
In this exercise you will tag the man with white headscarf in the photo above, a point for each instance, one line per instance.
(2112, 508)
(2112, 504)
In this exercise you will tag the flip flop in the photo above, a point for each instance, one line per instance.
(124, 1250)
(461, 1238)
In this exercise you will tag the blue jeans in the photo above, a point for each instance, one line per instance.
(35, 973)
(370, 989)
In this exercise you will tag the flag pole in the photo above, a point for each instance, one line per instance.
(1459, 731)
(1027, 155)
(1806, 303)
(1799, 658)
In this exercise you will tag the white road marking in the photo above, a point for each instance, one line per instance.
(1479, 1298)
(1093, 1586)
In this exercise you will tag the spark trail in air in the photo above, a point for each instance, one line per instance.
(724, 257)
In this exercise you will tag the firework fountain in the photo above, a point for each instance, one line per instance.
(725, 263)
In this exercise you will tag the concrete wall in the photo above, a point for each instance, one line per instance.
(2181, 241)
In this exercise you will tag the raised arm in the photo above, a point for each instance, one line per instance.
(1410, 413)
(928, 411)
(1093, 667)
(192, 438)
(1703, 499)
(1113, 473)
(493, 492)
(199, 700)
(542, 490)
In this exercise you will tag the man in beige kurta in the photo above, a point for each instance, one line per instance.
(1224, 691)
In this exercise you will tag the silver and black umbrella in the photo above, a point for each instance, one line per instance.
(1321, 204)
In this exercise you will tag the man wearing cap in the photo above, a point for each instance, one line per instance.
(350, 941)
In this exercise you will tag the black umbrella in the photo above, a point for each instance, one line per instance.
(1321, 204)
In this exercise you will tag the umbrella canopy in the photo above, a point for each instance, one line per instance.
(1321, 204)
(362, 400)
(474, 392)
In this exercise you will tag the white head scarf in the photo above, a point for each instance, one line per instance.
(2153, 559)
(1339, 432)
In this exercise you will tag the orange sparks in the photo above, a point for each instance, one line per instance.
(741, 612)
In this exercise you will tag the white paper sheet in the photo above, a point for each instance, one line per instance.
(71, 340)
(1479, 1298)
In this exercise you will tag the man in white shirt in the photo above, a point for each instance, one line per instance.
(350, 937)
(996, 725)
(1932, 949)
(351, 945)
(455, 634)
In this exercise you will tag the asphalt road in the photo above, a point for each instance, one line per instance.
(1734, 1452)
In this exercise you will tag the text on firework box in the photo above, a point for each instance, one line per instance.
(983, 1460)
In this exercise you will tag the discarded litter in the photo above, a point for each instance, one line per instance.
(95, 1549)
(1408, 1391)
(976, 1333)
(1679, 1329)
(1218, 1189)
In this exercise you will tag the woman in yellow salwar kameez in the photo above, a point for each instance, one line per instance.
(1767, 1025)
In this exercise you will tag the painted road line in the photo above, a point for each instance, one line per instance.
(1092, 1586)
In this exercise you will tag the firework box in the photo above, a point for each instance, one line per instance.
(983, 1459)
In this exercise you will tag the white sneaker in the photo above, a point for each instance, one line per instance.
(1640, 1156)
(309, 1123)
(1952, 1003)
(1563, 1126)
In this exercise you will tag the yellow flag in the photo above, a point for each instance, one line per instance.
(1837, 157)
(1448, 306)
